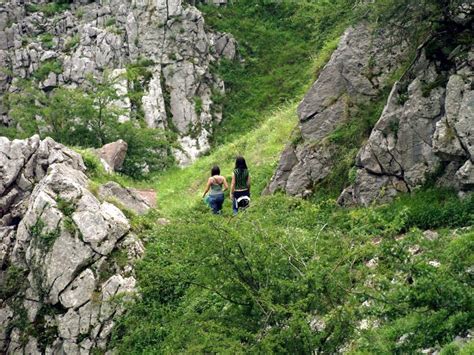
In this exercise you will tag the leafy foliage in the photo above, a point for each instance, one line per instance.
(12, 281)
(48, 66)
(292, 276)
(89, 117)
(49, 9)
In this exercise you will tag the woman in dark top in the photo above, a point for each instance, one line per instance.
(217, 184)
(240, 185)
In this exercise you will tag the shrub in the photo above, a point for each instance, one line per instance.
(259, 282)
(198, 105)
(49, 9)
(48, 66)
(47, 40)
(72, 42)
(148, 149)
(12, 281)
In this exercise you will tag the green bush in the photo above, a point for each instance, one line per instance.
(148, 149)
(13, 280)
(48, 66)
(259, 282)
(49, 9)
(72, 42)
(434, 208)
(89, 118)
(47, 40)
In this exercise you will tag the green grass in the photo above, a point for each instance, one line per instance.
(282, 46)
(255, 283)
(180, 189)
(50, 9)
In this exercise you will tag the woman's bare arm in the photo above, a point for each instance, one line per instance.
(208, 186)
(225, 183)
(232, 185)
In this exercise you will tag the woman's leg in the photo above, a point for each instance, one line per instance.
(238, 194)
(212, 203)
(235, 208)
(219, 202)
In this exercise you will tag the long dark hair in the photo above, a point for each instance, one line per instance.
(240, 163)
(215, 170)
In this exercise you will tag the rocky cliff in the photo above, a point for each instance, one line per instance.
(69, 40)
(424, 133)
(355, 75)
(65, 256)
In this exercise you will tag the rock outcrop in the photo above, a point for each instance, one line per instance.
(167, 37)
(356, 74)
(128, 198)
(112, 155)
(426, 132)
(62, 253)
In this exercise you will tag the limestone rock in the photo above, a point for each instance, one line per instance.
(61, 239)
(428, 133)
(355, 74)
(167, 40)
(154, 103)
(113, 155)
(24, 163)
(126, 197)
(148, 195)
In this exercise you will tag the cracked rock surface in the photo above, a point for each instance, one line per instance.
(425, 132)
(58, 249)
(355, 74)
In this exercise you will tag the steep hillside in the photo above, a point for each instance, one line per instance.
(407, 85)
(295, 276)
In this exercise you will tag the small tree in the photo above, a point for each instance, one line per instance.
(98, 112)
(88, 117)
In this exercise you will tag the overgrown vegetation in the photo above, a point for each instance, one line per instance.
(295, 276)
(49, 9)
(88, 117)
(48, 66)
(289, 276)
(44, 238)
(13, 281)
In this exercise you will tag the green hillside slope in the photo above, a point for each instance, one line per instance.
(289, 275)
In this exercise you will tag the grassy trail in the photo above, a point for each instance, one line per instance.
(181, 188)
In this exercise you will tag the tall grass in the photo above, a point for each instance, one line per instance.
(279, 44)
(180, 189)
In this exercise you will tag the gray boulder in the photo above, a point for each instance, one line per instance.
(127, 198)
(112, 155)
